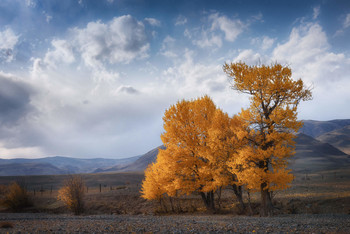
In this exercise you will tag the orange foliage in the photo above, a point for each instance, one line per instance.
(207, 150)
(72, 194)
(199, 139)
(270, 123)
(16, 197)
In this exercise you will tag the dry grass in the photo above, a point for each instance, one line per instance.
(120, 194)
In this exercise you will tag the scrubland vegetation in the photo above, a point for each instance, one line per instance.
(318, 193)
(304, 207)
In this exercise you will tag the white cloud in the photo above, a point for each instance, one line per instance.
(208, 39)
(98, 45)
(47, 16)
(249, 57)
(231, 28)
(121, 40)
(30, 3)
(189, 78)
(168, 47)
(180, 20)
(316, 12)
(264, 43)
(193, 79)
(211, 35)
(37, 67)
(309, 55)
(19, 152)
(8, 41)
(346, 23)
(267, 42)
(307, 46)
(62, 53)
(153, 22)
(258, 17)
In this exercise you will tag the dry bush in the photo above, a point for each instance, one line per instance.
(6, 225)
(72, 194)
(16, 198)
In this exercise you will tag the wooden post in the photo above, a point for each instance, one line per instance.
(100, 188)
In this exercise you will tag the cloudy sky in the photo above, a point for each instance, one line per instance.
(88, 78)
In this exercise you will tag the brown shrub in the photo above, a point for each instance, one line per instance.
(6, 225)
(72, 194)
(16, 198)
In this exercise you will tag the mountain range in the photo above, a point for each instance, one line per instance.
(57, 165)
(320, 145)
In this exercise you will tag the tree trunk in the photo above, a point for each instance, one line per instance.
(208, 199)
(218, 193)
(250, 210)
(163, 205)
(266, 203)
(172, 205)
(239, 195)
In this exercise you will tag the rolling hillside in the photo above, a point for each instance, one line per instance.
(14, 169)
(139, 165)
(57, 165)
(339, 138)
(316, 128)
(313, 155)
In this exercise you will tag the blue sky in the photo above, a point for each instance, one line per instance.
(88, 78)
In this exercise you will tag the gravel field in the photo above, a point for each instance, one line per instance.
(48, 223)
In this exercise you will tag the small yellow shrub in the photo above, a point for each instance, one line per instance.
(16, 197)
(72, 194)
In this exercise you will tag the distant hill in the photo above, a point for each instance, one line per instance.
(139, 165)
(57, 165)
(316, 128)
(325, 152)
(313, 155)
(339, 138)
(14, 169)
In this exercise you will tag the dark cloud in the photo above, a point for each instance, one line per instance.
(127, 89)
(14, 100)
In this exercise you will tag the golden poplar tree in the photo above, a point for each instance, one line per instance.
(186, 127)
(223, 145)
(194, 160)
(270, 123)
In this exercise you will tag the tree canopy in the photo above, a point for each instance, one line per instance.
(270, 122)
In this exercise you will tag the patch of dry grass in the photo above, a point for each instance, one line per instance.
(329, 193)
